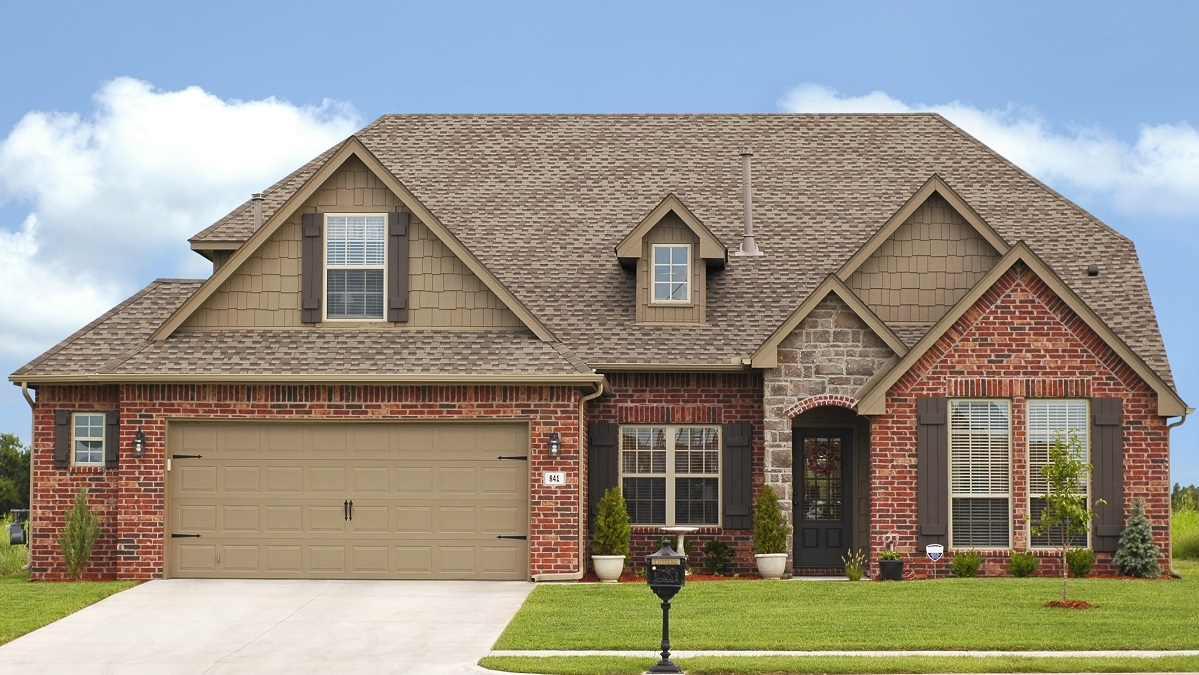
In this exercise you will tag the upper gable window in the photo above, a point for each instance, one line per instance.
(671, 273)
(355, 259)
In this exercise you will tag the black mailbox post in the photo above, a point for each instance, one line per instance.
(666, 573)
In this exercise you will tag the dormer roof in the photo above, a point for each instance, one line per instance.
(711, 249)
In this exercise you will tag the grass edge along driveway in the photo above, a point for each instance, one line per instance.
(25, 606)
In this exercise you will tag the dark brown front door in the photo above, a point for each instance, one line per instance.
(822, 498)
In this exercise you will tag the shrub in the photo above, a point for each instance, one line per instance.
(1184, 530)
(1137, 554)
(1023, 564)
(719, 557)
(611, 531)
(80, 531)
(855, 562)
(770, 528)
(889, 554)
(1079, 561)
(966, 563)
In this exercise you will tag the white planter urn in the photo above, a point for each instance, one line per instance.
(771, 565)
(608, 567)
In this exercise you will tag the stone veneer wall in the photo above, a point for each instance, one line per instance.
(831, 352)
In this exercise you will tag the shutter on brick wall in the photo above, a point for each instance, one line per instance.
(932, 471)
(397, 266)
(62, 438)
(112, 439)
(312, 268)
(738, 476)
(603, 468)
(1107, 477)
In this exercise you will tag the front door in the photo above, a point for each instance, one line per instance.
(822, 499)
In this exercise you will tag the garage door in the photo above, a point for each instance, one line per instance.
(348, 500)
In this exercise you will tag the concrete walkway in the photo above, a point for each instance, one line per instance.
(294, 627)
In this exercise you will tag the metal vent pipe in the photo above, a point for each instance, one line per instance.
(257, 199)
(748, 245)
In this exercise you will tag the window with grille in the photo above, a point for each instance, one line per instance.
(1047, 419)
(354, 263)
(672, 273)
(980, 473)
(87, 439)
(670, 475)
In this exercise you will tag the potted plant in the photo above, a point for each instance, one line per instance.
(890, 565)
(610, 536)
(770, 535)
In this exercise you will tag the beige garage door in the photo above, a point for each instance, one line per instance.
(348, 500)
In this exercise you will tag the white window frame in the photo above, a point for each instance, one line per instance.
(653, 275)
(671, 475)
(955, 491)
(76, 439)
(1036, 484)
(382, 266)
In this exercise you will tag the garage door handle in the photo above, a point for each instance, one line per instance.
(187, 456)
(524, 457)
(351, 509)
(184, 536)
(512, 536)
(347, 508)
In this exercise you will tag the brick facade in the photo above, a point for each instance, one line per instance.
(130, 499)
(1018, 342)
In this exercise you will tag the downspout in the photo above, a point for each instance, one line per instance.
(32, 411)
(575, 576)
(1181, 420)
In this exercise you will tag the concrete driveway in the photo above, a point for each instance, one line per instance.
(280, 626)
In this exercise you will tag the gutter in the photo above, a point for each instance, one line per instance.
(332, 378)
(1181, 420)
(29, 542)
(575, 576)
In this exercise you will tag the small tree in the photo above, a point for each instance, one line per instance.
(14, 474)
(1137, 554)
(770, 528)
(611, 532)
(1066, 510)
(80, 531)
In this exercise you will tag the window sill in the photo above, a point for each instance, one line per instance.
(86, 469)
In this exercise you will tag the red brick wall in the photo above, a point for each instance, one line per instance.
(1019, 341)
(130, 498)
(688, 398)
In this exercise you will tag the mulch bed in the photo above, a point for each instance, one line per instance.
(1070, 604)
(630, 576)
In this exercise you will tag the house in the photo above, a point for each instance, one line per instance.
(428, 351)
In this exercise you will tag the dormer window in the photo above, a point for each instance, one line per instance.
(672, 273)
(355, 256)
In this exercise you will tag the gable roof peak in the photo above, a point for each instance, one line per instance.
(711, 248)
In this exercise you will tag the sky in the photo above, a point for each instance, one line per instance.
(128, 127)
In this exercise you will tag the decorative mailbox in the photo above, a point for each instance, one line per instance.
(666, 572)
(16, 529)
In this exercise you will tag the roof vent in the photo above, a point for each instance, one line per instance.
(257, 199)
(1093, 270)
(748, 246)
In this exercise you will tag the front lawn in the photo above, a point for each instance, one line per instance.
(985, 614)
(25, 606)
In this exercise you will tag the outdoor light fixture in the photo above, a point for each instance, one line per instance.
(555, 445)
(139, 444)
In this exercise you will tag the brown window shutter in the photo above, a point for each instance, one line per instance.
(62, 438)
(603, 466)
(397, 266)
(738, 476)
(1107, 473)
(932, 471)
(312, 268)
(112, 439)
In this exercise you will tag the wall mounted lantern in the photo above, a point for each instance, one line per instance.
(139, 444)
(555, 445)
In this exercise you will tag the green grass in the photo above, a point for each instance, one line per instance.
(773, 665)
(1184, 533)
(25, 606)
(988, 613)
(12, 558)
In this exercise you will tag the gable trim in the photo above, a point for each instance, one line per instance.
(352, 147)
(711, 249)
(767, 355)
(873, 397)
(935, 184)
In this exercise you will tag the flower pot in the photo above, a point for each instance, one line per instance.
(890, 570)
(771, 565)
(608, 567)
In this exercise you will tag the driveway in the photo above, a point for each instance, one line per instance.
(280, 626)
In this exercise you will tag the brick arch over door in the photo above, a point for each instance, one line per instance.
(813, 402)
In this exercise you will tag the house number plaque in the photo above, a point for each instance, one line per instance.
(553, 478)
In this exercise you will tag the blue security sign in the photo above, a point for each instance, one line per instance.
(934, 551)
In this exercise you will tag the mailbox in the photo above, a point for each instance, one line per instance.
(665, 571)
(16, 529)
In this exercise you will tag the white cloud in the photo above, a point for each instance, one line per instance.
(1157, 175)
(114, 194)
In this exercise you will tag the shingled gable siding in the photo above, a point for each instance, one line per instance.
(130, 499)
(671, 230)
(688, 398)
(1019, 341)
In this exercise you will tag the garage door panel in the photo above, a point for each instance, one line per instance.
(269, 500)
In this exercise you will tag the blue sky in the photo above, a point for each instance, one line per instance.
(127, 127)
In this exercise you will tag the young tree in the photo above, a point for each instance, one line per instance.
(1137, 555)
(14, 474)
(81, 529)
(1066, 513)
